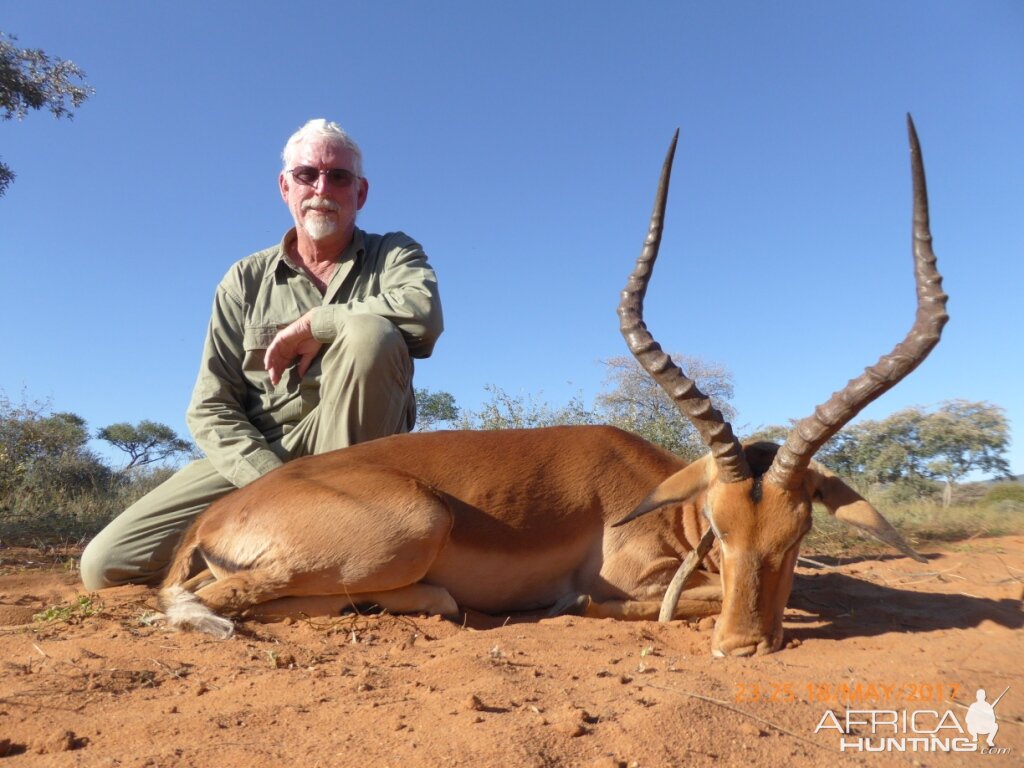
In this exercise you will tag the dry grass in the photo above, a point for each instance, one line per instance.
(920, 522)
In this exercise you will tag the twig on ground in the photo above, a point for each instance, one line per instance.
(1010, 570)
(815, 563)
(173, 672)
(920, 578)
(726, 705)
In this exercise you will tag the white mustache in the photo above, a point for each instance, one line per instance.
(320, 204)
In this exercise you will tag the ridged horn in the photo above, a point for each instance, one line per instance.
(810, 434)
(714, 430)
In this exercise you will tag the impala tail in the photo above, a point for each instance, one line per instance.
(181, 608)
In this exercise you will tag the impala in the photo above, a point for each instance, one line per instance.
(587, 519)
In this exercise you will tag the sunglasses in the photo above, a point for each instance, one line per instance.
(336, 177)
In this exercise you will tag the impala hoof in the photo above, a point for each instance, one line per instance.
(570, 605)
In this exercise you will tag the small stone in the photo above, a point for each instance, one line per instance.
(749, 729)
(707, 623)
(474, 704)
(61, 741)
(572, 729)
(284, 661)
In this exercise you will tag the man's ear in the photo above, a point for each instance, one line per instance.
(282, 183)
(853, 509)
(364, 190)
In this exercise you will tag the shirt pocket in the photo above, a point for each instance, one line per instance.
(255, 340)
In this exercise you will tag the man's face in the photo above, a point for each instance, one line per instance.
(323, 209)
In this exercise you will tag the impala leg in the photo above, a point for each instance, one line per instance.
(699, 602)
(234, 593)
(624, 610)
(693, 603)
(415, 598)
(335, 543)
(269, 594)
(201, 579)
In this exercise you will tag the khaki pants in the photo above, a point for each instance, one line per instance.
(365, 393)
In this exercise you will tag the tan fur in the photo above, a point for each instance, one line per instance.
(502, 521)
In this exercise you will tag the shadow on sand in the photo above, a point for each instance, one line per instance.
(853, 607)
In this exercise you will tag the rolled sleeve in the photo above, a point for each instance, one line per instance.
(407, 295)
(216, 415)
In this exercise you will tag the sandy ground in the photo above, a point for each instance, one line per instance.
(104, 687)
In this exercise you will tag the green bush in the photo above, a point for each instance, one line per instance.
(54, 489)
(905, 491)
(1009, 496)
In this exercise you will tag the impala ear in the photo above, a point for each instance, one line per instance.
(678, 487)
(853, 509)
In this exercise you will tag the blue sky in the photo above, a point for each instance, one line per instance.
(521, 143)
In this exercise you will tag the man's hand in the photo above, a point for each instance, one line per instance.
(295, 341)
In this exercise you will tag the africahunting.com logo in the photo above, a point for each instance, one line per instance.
(917, 730)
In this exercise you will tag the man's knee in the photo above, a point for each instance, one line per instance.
(108, 561)
(136, 546)
(371, 348)
(97, 567)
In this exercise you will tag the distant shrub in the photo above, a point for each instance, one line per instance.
(904, 491)
(1005, 496)
(54, 489)
(921, 523)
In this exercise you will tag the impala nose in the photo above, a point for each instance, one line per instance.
(743, 650)
(747, 646)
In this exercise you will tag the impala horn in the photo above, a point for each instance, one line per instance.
(714, 430)
(810, 434)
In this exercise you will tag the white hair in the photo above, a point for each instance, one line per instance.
(326, 130)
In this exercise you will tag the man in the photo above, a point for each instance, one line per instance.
(309, 349)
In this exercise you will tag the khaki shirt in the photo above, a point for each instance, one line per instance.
(235, 411)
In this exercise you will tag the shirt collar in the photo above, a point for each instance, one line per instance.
(353, 252)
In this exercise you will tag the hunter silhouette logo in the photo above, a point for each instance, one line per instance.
(917, 730)
(981, 717)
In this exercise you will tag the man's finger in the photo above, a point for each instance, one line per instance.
(271, 355)
(305, 362)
